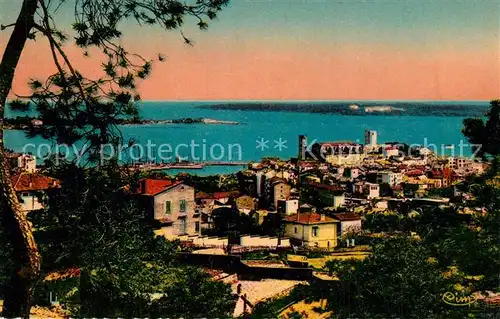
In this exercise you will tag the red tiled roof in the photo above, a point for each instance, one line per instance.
(307, 164)
(33, 182)
(325, 186)
(397, 187)
(436, 173)
(415, 172)
(347, 216)
(219, 195)
(202, 195)
(152, 187)
(309, 218)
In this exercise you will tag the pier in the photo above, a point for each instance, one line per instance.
(183, 165)
(226, 163)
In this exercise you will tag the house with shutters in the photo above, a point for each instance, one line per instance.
(170, 206)
(349, 223)
(31, 188)
(312, 230)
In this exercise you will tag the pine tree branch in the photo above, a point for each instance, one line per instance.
(61, 52)
(3, 27)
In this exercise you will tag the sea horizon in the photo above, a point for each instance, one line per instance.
(308, 100)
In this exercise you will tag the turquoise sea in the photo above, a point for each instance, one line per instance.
(411, 122)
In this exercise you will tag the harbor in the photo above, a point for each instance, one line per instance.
(183, 165)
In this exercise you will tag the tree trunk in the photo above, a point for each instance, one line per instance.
(17, 301)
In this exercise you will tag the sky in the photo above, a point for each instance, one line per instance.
(308, 50)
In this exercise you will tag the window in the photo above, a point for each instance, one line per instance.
(182, 205)
(183, 227)
(25, 194)
(53, 298)
(315, 230)
(197, 226)
(168, 207)
(295, 229)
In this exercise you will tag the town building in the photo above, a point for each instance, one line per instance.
(217, 198)
(328, 195)
(352, 172)
(21, 162)
(248, 182)
(170, 206)
(339, 153)
(390, 151)
(349, 223)
(371, 190)
(424, 151)
(388, 177)
(312, 230)
(276, 189)
(458, 163)
(288, 207)
(302, 147)
(371, 138)
(31, 188)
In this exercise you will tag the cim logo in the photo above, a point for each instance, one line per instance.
(458, 300)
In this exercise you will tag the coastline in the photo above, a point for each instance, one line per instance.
(21, 123)
(181, 121)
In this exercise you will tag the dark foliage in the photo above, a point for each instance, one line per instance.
(485, 134)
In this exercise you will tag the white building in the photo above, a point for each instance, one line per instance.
(171, 206)
(389, 177)
(30, 188)
(345, 159)
(390, 151)
(424, 151)
(349, 223)
(288, 207)
(412, 161)
(459, 163)
(373, 190)
(371, 138)
(22, 162)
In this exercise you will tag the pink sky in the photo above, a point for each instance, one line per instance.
(229, 70)
(320, 50)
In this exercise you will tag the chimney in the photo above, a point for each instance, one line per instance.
(298, 216)
(31, 181)
(322, 217)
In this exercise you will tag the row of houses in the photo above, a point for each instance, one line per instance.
(178, 211)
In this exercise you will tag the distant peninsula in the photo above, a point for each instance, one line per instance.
(23, 122)
(187, 120)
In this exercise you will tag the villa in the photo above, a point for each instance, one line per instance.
(31, 187)
(170, 206)
(312, 230)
